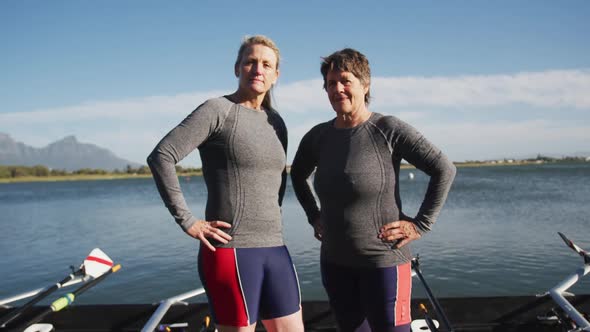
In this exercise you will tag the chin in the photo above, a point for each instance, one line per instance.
(340, 108)
(258, 88)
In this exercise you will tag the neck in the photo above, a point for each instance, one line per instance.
(352, 119)
(253, 102)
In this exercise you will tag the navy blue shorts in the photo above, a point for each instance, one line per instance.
(247, 284)
(375, 297)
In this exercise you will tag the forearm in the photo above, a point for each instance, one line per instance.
(441, 179)
(304, 193)
(163, 170)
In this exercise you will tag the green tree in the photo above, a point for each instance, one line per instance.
(58, 172)
(4, 172)
(40, 170)
(19, 171)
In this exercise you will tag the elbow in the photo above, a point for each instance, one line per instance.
(297, 177)
(452, 172)
(160, 157)
(447, 170)
(447, 174)
(152, 159)
(444, 173)
(294, 173)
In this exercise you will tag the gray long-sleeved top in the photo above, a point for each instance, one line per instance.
(243, 153)
(357, 182)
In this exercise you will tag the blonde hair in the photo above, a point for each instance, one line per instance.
(264, 41)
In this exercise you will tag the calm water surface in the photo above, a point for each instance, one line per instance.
(497, 234)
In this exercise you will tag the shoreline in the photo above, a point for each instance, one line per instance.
(98, 177)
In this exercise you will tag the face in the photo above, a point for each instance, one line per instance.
(257, 71)
(345, 91)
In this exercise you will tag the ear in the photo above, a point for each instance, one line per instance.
(237, 70)
(276, 77)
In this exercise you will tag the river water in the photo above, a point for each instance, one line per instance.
(497, 234)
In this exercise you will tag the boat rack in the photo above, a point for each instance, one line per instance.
(157, 316)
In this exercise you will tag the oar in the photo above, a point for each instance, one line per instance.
(64, 301)
(428, 319)
(95, 264)
(575, 248)
(433, 300)
(205, 324)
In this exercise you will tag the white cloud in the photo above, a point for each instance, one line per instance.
(490, 140)
(556, 88)
(302, 96)
(130, 128)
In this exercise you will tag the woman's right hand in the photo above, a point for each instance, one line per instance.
(203, 229)
(317, 229)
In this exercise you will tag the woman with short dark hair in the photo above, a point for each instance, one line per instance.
(365, 257)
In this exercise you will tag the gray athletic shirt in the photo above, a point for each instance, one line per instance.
(357, 182)
(243, 153)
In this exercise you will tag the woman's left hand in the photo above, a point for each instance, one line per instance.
(402, 231)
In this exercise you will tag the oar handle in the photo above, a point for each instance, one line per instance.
(205, 324)
(428, 319)
(67, 299)
(14, 314)
(433, 300)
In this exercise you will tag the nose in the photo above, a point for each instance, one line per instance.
(338, 87)
(258, 68)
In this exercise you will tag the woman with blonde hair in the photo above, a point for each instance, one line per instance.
(243, 263)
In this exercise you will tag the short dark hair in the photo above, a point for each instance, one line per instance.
(352, 61)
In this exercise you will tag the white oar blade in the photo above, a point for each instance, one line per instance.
(97, 263)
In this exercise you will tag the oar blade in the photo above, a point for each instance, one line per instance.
(97, 263)
(575, 248)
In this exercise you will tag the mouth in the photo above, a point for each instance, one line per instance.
(339, 99)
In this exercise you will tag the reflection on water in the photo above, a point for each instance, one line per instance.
(497, 235)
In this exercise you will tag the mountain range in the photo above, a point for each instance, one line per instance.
(67, 153)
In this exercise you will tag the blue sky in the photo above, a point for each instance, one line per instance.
(481, 79)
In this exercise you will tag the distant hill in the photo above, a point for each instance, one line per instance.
(67, 153)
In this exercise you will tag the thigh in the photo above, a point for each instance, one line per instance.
(280, 294)
(222, 328)
(386, 297)
(233, 287)
(344, 293)
(289, 323)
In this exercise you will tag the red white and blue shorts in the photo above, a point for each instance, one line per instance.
(375, 297)
(244, 285)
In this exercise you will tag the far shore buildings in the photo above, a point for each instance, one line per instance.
(539, 160)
